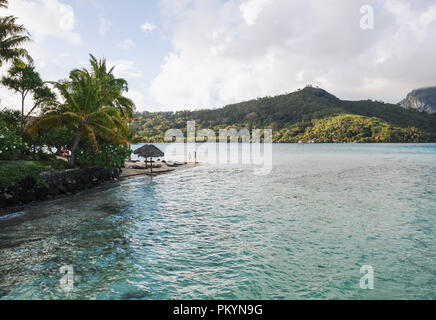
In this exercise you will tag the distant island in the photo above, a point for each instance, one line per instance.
(307, 115)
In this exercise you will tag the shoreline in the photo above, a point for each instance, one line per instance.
(332, 143)
(129, 171)
(71, 186)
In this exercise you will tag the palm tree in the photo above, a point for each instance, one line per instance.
(84, 107)
(11, 38)
(113, 92)
(114, 87)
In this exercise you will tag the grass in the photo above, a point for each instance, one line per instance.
(12, 172)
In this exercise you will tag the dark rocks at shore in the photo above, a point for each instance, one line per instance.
(55, 184)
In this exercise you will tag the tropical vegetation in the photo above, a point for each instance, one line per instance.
(86, 115)
(89, 116)
(25, 80)
(296, 116)
(12, 37)
(92, 104)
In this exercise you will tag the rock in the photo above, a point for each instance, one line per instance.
(423, 100)
(56, 183)
(7, 196)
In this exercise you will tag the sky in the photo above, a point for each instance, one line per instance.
(194, 54)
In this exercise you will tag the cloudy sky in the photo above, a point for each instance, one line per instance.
(190, 54)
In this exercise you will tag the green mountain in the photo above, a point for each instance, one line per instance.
(308, 114)
(423, 100)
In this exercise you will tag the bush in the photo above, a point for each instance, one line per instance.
(51, 161)
(11, 144)
(110, 156)
(10, 118)
(12, 172)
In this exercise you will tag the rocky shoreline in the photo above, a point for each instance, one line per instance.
(54, 184)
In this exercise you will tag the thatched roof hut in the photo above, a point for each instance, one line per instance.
(149, 151)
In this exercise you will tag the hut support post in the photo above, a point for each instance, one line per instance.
(149, 151)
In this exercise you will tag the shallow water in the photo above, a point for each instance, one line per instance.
(221, 232)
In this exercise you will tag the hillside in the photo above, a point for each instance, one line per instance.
(423, 100)
(294, 116)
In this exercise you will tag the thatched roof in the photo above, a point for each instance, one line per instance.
(149, 151)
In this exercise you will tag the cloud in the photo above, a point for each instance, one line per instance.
(138, 97)
(104, 26)
(46, 18)
(171, 8)
(52, 66)
(125, 69)
(251, 9)
(225, 52)
(147, 27)
(127, 44)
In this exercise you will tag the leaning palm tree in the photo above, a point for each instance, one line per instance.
(114, 88)
(84, 108)
(12, 36)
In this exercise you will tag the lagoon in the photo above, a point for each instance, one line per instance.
(218, 231)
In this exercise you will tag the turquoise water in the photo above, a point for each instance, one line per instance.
(220, 232)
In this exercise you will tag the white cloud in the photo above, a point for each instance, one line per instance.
(125, 69)
(137, 97)
(251, 9)
(225, 52)
(127, 44)
(45, 18)
(172, 8)
(104, 26)
(52, 66)
(147, 27)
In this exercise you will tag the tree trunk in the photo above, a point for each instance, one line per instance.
(72, 159)
(22, 115)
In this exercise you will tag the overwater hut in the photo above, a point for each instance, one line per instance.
(149, 151)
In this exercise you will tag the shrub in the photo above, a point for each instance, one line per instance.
(51, 161)
(10, 118)
(11, 144)
(12, 172)
(110, 156)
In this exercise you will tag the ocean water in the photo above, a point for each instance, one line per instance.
(218, 231)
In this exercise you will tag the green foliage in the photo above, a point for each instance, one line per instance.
(92, 105)
(10, 118)
(110, 156)
(289, 116)
(353, 128)
(12, 172)
(50, 161)
(11, 144)
(25, 81)
(12, 37)
(56, 138)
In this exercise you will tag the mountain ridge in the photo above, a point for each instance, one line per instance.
(292, 117)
